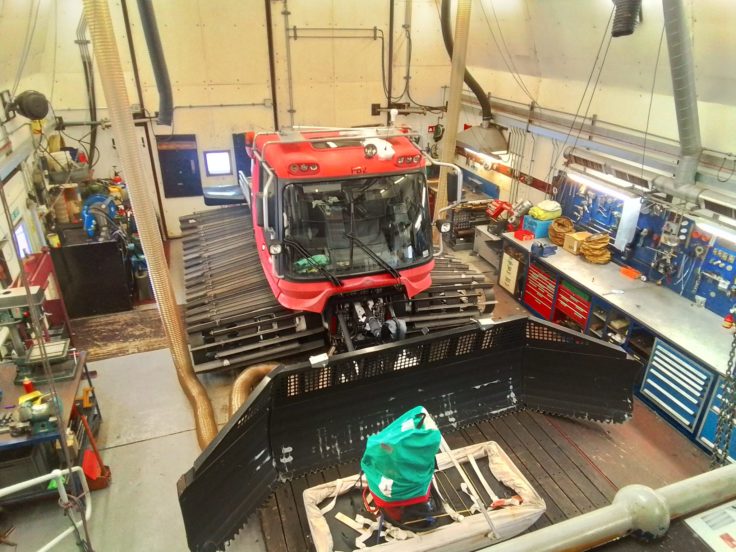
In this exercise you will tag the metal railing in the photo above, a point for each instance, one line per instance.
(58, 476)
(636, 510)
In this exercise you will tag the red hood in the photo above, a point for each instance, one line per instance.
(313, 296)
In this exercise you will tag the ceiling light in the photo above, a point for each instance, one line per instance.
(599, 186)
(492, 159)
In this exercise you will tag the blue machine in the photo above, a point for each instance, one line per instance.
(98, 210)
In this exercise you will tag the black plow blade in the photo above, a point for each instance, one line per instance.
(307, 417)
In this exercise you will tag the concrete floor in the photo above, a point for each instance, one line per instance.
(148, 440)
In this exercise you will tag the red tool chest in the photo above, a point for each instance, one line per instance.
(574, 303)
(539, 291)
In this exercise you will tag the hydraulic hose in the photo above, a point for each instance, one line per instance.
(113, 83)
(246, 382)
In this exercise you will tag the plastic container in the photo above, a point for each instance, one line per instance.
(524, 235)
(630, 272)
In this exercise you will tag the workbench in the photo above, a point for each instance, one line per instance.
(25, 456)
(488, 246)
(683, 348)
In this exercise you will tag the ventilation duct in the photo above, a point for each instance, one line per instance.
(158, 62)
(625, 17)
(682, 68)
(487, 138)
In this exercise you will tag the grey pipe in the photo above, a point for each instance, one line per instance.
(158, 62)
(289, 77)
(682, 68)
(636, 509)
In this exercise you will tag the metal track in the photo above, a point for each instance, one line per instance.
(233, 319)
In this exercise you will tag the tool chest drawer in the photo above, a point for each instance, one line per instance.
(707, 432)
(676, 384)
(573, 302)
(539, 291)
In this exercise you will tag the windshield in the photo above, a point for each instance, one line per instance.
(342, 225)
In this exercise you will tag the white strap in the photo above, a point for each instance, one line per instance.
(483, 481)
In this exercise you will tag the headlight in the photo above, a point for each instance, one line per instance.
(370, 150)
(445, 227)
(275, 249)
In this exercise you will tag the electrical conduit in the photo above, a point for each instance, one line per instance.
(113, 84)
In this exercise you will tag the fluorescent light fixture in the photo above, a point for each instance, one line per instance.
(491, 158)
(611, 179)
(218, 163)
(718, 231)
(599, 186)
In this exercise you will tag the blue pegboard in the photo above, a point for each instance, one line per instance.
(693, 257)
(593, 210)
(720, 262)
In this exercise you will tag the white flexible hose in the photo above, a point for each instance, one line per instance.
(118, 104)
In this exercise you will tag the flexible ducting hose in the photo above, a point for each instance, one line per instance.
(158, 62)
(682, 68)
(113, 84)
(246, 382)
(626, 13)
(474, 85)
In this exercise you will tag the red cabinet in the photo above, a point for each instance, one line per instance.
(572, 303)
(539, 291)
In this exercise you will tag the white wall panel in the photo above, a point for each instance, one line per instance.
(217, 55)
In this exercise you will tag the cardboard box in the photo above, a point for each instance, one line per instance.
(574, 240)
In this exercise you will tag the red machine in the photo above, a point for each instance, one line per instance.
(361, 213)
(339, 221)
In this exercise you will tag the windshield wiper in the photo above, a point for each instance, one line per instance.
(373, 255)
(308, 257)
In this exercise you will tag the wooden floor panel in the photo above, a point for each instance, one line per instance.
(570, 481)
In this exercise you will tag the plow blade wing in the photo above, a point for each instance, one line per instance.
(305, 417)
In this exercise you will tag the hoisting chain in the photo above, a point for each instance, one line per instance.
(727, 414)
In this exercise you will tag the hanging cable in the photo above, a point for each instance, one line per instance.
(510, 65)
(592, 94)
(720, 169)
(56, 47)
(651, 101)
(89, 79)
(27, 42)
(587, 86)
